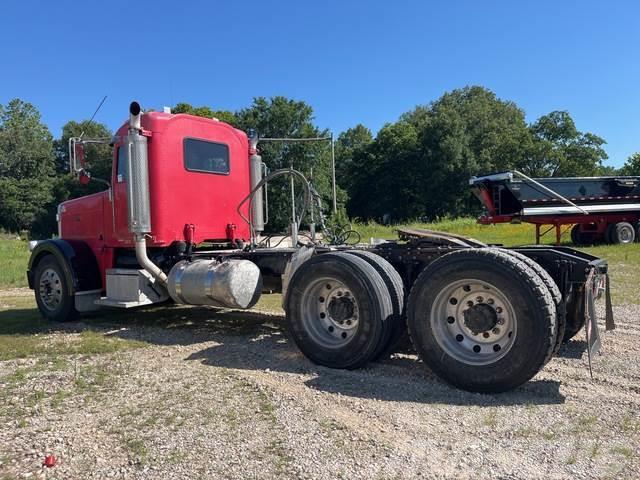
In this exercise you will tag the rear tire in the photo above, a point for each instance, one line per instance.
(482, 320)
(398, 334)
(338, 309)
(551, 285)
(53, 293)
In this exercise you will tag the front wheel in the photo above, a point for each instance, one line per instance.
(482, 320)
(53, 294)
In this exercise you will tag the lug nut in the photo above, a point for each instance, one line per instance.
(485, 334)
(490, 301)
(479, 299)
(496, 331)
(501, 321)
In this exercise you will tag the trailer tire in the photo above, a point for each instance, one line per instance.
(608, 233)
(623, 233)
(338, 309)
(582, 238)
(552, 286)
(575, 234)
(53, 293)
(452, 341)
(397, 333)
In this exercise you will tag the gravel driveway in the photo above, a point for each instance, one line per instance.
(229, 396)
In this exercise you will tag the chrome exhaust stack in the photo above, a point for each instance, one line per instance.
(138, 202)
(256, 213)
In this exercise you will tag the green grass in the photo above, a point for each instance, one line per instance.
(14, 256)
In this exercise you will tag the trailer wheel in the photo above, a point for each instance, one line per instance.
(398, 334)
(482, 320)
(550, 283)
(608, 233)
(53, 294)
(623, 233)
(581, 238)
(575, 234)
(338, 309)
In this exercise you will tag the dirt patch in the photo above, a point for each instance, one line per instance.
(215, 401)
(16, 292)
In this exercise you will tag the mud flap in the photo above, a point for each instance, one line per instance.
(593, 289)
(591, 322)
(610, 324)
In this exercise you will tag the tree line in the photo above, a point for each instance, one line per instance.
(416, 167)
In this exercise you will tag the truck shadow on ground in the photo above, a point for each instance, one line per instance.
(257, 341)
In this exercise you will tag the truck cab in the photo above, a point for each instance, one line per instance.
(198, 175)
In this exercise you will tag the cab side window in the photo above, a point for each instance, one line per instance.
(121, 172)
(206, 157)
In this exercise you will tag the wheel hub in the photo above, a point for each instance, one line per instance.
(473, 321)
(50, 289)
(331, 312)
(341, 308)
(480, 318)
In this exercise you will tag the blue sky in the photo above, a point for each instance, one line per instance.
(353, 61)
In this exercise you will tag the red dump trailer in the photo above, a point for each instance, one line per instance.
(596, 209)
(183, 221)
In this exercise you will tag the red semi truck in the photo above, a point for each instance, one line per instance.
(183, 221)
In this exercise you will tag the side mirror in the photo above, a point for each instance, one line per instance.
(84, 177)
(77, 159)
(79, 155)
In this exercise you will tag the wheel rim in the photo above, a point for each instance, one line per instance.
(50, 289)
(330, 312)
(473, 322)
(625, 234)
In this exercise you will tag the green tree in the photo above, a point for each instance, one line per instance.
(26, 165)
(349, 144)
(421, 165)
(631, 166)
(560, 150)
(382, 175)
(281, 117)
(204, 111)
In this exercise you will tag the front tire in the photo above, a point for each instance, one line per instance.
(53, 293)
(338, 310)
(482, 320)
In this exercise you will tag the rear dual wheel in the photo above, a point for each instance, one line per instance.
(339, 310)
(556, 295)
(482, 319)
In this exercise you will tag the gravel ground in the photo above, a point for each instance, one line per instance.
(230, 399)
